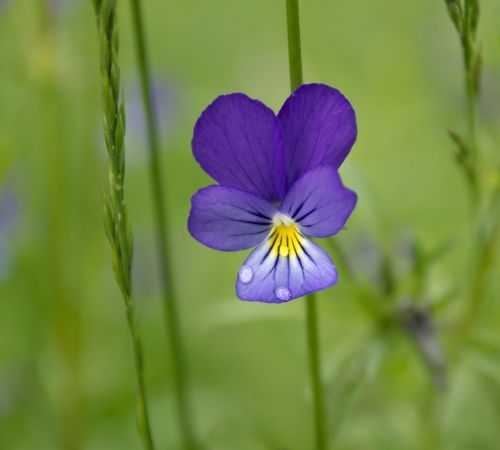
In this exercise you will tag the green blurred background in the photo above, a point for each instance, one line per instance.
(66, 373)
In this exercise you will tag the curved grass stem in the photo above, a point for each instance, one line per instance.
(115, 211)
(143, 423)
(169, 296)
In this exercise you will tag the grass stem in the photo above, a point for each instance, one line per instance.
(295, 61)
(169, 296)
(315, 371)
(115, 210)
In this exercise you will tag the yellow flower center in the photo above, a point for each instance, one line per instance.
(285, 238)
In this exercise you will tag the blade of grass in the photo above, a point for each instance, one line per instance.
(169, 295)
(115, 210)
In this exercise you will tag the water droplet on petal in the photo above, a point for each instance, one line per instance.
(283, 293)
(246, 274)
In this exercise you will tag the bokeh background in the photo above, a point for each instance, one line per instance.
(66, 373)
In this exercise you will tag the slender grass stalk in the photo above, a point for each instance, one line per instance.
(472, 66)
(465, 16)
(115, 211)
(169, 295)
(315, 372)
(295, 61)
(481, 245)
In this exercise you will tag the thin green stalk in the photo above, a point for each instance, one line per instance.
(143, 424)
(484, 258)
(481, 248)
(471, 58)
(115, 210)
(294, 50)
(465, 17)
(169, 296)
(315, 372)
(295, 60)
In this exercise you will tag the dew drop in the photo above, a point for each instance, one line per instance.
(246, 274)
(283, 293)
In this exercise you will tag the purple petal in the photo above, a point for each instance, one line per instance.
(319, 202)
(228, 219)
(238, 142)
(272, 275)
(319, 128)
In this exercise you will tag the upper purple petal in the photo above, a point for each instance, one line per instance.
(319, 202)
(238, 141)
(229, 219)
(319, 128)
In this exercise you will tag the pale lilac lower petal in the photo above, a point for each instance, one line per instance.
(228, 219)
(274, 278)
(319, 202)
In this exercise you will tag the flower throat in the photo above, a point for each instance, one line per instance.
(285, 237)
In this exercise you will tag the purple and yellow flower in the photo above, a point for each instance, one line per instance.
(278, 184)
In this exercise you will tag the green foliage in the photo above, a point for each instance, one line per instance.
(402, 68)
(115, 211)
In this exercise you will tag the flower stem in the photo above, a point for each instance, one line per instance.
(294, 50)
(295, 60)
(169, 297)
(314, 371)
(115, 211)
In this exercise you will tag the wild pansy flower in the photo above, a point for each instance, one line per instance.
(278, 184)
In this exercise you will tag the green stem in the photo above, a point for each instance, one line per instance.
(295, 60)
(294, 50)
(169, 296)
(314, 372)
(115, 210)
(483, 260)
(481, 246)
(471, 131)
(470, 56)
(141, 403)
